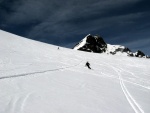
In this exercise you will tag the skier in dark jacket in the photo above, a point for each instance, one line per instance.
(88, 65)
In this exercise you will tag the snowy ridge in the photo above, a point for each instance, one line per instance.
(39, 78)
(111, 49)
(81, 43)
(96, 44)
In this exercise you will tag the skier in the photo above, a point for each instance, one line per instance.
(88, 65)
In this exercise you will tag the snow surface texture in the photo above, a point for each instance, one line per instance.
(38, 78)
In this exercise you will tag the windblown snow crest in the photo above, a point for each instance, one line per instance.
(96, 44)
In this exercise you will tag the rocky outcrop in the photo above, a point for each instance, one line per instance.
(139, 54)
(91, 43)
(96, 44)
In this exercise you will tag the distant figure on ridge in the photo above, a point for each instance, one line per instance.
(88, 65)
(58, 48)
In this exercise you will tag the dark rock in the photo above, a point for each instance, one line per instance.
(113, 53)
(93, 44)
(91, 40)
(139, 54)
(131, 55)
(96, 44)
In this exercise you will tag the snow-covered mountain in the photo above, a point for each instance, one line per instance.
(40, 78)
(96, 44)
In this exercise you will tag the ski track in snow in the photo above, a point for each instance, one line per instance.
(135, 106)
(19, 54)
(24, 99)
(131, 73)
(109, 76)
(114, 77)
(134, 83)
(128, 96)
(38, 72)
(16, 104)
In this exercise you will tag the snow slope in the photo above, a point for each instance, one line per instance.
(38, 78)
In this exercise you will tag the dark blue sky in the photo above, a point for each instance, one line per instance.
(64, 23)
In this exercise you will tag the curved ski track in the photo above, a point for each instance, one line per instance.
(135, 106)
(130, 99)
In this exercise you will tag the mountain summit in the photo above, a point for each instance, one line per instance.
(97, 44)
